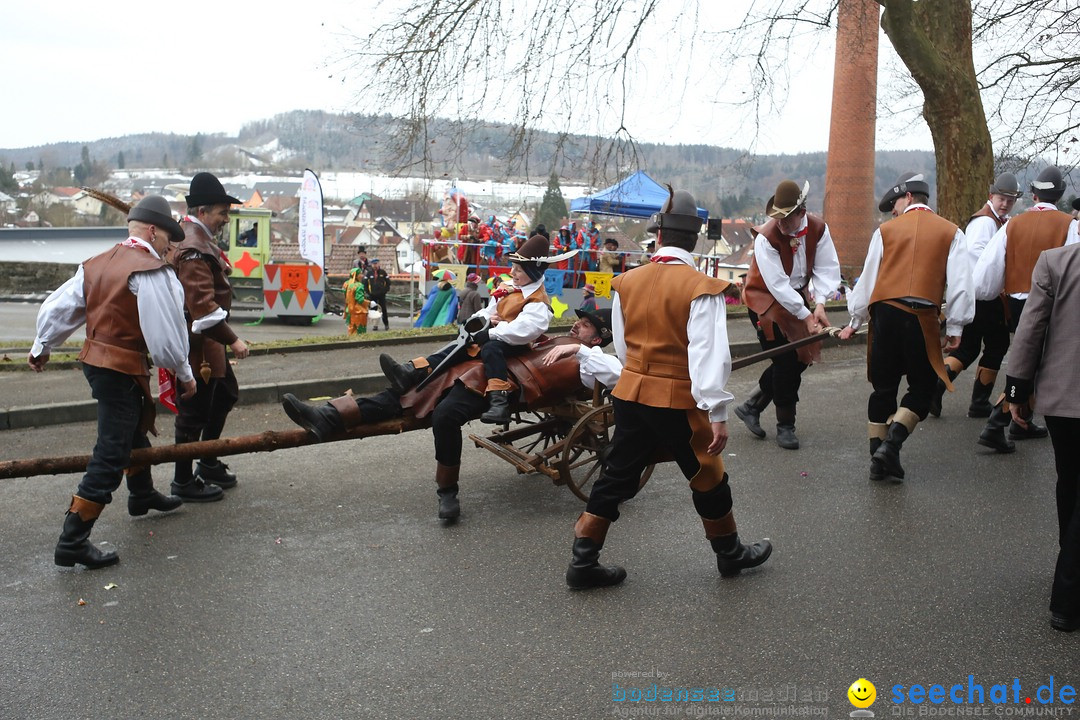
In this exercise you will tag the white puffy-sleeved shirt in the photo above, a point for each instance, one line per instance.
(824, 277)
(160, 299)
(989, 274)
(531, 322)
(708, 353)
(959, 298)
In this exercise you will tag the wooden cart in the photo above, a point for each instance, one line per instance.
(568, 442)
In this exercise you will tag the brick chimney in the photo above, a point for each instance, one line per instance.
(850, 205)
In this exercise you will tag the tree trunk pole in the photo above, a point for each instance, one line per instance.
(266, 441)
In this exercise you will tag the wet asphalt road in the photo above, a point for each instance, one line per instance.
(324, 587)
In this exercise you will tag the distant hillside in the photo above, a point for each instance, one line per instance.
(725, 180)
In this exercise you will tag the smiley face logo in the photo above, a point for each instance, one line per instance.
(862, 693)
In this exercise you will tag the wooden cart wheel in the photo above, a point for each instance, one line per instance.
(582, 460)
(540, 441)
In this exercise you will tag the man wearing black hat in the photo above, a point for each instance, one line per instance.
(669, 326)
(910, 262)
(569, 363)
(989, 330)
(793, 252)
(1005, 265)
(203, 271)
(362, 261)
(376, 285)
(133, 306)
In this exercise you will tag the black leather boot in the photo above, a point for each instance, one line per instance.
(321, 422)
(1033, 432)
(446, 478)
(993, 434)
(74, 546)
(885, 462)
(939, 392)
(215, 472)
(498, 412)
(875, 443)
(785, 428)
(733, 556)
(402, 376)
(750, 411)
(980, 406)
(144, 497)
(585, 571)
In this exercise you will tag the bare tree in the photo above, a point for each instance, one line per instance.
(483, 61)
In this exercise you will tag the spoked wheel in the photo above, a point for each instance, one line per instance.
(586, 448)
(540, 441)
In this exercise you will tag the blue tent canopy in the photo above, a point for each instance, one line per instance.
(636, 196)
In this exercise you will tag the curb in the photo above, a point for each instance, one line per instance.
(86, 410)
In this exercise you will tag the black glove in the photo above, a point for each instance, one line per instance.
(479, 337)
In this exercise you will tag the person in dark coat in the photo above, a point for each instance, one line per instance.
(471, 301)
(376, 285)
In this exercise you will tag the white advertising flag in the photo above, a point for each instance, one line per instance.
(311, 219)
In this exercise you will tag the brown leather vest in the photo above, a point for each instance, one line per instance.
(756, 294)
(540, 384)
(1026, 236)
(201, 298)
(985, 211)
(915, 254)
(510, 307)
(114, 338)
(655, 301)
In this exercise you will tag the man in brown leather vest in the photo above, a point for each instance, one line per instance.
(556, 367)
(910, 261)
(670, 330)
(989, 331)
(203, 271)
(1005, 266)
(132, 305)
(791, 250)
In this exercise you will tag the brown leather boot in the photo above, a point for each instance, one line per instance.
(585, 570)
(74, 546)
(446, 477)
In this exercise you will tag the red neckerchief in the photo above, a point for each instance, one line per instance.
(1036, 208)
(504, 290)
(133, 243)
(796, 239)
(665, 259)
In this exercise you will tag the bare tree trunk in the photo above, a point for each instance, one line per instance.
(934, 41)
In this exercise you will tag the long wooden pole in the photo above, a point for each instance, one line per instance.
(266, 441)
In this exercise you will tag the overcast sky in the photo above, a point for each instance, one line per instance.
(77, 71)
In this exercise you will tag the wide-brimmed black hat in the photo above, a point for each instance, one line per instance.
(154, 210)
(533, 256)
(207, 190)
(909, 182)
(601, 320)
